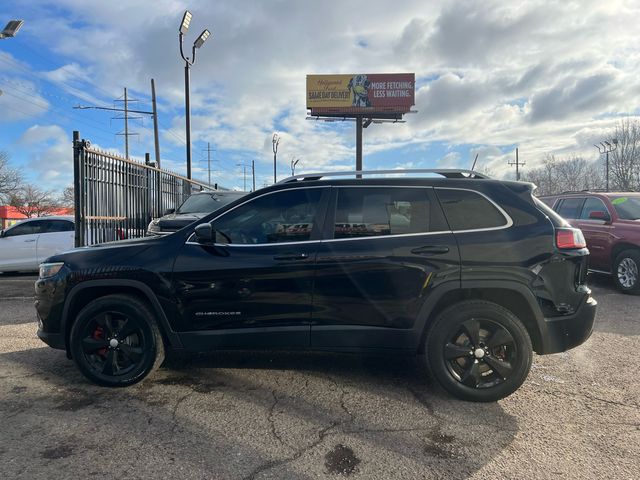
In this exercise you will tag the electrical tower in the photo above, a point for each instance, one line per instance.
(209, 150)
(126, 117)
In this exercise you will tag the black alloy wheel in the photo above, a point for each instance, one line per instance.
(115, 341)
(479, 351)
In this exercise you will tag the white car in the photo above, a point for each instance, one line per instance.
(27, 243)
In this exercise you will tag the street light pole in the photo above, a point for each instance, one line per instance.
(188, 62)
(606, 148)
(275, 141)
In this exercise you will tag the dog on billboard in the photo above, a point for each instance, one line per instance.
(359, 85)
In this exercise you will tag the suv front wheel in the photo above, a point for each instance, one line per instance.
(115, 341)
(478, 351)
(625, 271)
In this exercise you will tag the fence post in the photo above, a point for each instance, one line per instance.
(78, 204)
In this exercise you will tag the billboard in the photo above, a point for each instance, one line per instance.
(361, 93)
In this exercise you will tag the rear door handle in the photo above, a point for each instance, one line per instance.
(291, 256)
(431, 250)
(29, 241)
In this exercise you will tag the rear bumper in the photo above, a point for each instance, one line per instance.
(54, 340)
(566, 332)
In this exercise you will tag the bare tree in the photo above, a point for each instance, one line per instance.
(33, 202)
(10, 178)
(624, 162)
(561, 175)
(66, 198)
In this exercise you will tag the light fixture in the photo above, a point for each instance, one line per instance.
(186, 20)
(11, 29)
(202, 38)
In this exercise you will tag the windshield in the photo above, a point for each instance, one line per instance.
(206, 202)
(627, 207)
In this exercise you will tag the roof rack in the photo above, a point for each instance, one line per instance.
(445, 172)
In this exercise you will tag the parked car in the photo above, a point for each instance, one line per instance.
(27, 243)
(475, 273)
(193, 208)
(610, 223)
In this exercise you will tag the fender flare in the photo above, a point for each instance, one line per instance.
(171, 335)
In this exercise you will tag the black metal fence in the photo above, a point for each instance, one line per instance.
(116, 198)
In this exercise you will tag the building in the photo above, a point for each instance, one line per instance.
(9, 215)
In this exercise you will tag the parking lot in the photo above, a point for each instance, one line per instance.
(294, 415)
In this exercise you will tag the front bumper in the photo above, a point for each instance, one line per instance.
(54, 340)
(569, 331)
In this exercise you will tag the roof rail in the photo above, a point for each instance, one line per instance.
(445, 172)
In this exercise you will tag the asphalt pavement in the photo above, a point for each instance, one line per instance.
(257, 415)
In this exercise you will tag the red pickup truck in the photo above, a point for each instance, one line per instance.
(610, 223)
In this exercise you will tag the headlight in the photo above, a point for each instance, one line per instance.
(50, 269)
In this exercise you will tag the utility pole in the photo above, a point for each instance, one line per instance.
(127, 111)
(253, 174)
(209, 150)
(244, 171)
(126, 100)
(518, 164)
(275, 141)
(606, 148)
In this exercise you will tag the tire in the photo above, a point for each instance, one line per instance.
(138, 348)
(457, 355)
(626, 268)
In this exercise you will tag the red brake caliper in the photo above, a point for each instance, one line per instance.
(98, 334)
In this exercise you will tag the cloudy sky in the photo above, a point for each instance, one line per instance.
(544, 76)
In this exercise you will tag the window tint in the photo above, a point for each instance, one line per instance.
(53, 226)
(592, 204)
(27, 228)
(569, 207)
(286, 216)
(467, 210)
(369, 212)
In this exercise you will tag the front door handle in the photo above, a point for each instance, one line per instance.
(431, 250)
(291, 256)
(29, 241)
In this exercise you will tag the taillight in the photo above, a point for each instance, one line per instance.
(570, 238)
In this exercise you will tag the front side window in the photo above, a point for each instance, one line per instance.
(27, 228)
(372, 212)
(286, 216)
(592, 204)
(468, 210)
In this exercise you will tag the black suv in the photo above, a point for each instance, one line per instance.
(473, 272)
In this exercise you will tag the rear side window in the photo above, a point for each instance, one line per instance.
(373, 212)
(468, 210)
(570, 207)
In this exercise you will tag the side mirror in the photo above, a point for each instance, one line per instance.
(599, 215)
(1, 233)
(169, 211)
(204, 233)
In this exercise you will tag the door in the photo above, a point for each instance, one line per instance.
(18, 246)
(388, 247)
(254, 286)
(597, 233)
(57, 236)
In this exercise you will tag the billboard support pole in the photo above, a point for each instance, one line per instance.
(359, 144)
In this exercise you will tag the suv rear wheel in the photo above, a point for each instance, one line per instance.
(115, 341)
(478, 351)
(625, 271)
